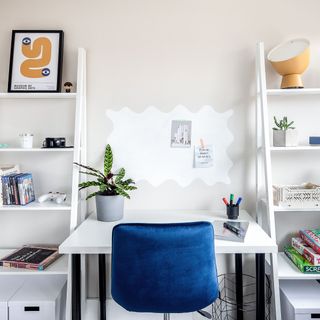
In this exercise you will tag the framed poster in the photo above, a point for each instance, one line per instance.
(36, 61)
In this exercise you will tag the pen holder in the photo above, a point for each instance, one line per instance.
(233, 212)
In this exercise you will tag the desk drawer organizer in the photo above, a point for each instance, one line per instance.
(39, 298)
(297, 196)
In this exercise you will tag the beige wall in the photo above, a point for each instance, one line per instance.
(164, 53)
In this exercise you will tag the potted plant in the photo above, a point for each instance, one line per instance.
(284, 134)
(112, 188)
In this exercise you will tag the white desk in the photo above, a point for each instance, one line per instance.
(95, 237)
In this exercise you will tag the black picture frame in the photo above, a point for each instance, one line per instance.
(27, 86)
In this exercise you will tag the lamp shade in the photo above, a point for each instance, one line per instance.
(290, 60)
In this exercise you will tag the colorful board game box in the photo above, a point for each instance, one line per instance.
(306, 251)
(300, 262)
(312, 238)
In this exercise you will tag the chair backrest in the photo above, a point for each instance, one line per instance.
(164, 268)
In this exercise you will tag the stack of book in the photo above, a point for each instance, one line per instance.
(5, 170)
(17, 189)
(31, 257)
(304, 251)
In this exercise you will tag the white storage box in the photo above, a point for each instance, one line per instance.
(40, 298)
(300, 299)
(9, 285)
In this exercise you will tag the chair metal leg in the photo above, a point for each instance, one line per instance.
(166, 316)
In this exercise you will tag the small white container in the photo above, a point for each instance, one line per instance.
(40, 298)
(26, 140)
(9, 285)
(300, 300)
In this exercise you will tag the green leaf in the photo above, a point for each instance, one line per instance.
(89, 168)
(91, 174)
(91, 195)
(120, 175)
(128, 181)
(127, 187)
(108, 160)
(88, 184)
(121, 192)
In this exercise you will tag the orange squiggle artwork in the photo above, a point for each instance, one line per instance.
(39, 56)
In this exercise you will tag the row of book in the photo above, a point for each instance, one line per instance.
(31, 257)
(16, 188)
(304, 251)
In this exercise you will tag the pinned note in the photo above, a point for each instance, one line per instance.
(203, 155)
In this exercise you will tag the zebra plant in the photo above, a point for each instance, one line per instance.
(108, 183)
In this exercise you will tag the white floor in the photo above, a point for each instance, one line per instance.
(115, 312)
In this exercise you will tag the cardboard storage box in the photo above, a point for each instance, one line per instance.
(40, 298)
(300, 299)
(9, 285)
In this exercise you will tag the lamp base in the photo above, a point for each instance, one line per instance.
(291, 81)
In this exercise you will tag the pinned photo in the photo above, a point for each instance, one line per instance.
(181, 134)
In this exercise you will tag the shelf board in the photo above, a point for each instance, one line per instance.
(293, 92)
(286, 209)
(59, 267)
(297, 148)
(36, 150)
(37, 95)
(288, 271)
(44, 206)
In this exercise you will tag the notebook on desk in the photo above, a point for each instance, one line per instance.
(230, 230)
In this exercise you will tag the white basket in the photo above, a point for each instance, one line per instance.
(297, 196)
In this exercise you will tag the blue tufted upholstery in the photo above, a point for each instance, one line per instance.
(164, 268)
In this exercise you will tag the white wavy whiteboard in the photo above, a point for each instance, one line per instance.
(141, 144)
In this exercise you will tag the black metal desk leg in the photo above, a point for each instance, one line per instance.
(76, 286)
(239, 286)
(260, 286)
(102, 286)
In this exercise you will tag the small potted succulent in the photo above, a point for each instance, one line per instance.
(112, 188)
(284, 134)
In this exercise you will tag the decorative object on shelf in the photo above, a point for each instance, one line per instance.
(314, 140)
(3, 145)
(26, 140)
(284, 134)
(297, 196)
(36, 61)
(112, 188)
(57, 197)
(290, 60)
(54, 143)
(68, 86)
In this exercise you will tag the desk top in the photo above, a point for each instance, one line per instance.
(94, 237)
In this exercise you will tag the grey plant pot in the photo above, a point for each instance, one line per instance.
(109, 208)
(285, 138)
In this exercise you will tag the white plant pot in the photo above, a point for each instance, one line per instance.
(109, 208)
(285, 138)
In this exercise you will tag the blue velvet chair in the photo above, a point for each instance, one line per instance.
(164, 268)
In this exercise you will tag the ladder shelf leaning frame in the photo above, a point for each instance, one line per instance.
(281, 267)
(76, 206)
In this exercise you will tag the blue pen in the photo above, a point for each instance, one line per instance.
(238, 202)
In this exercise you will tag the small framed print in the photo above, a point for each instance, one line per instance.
(36, 61)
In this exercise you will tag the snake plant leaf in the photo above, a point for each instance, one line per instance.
(108, 160)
